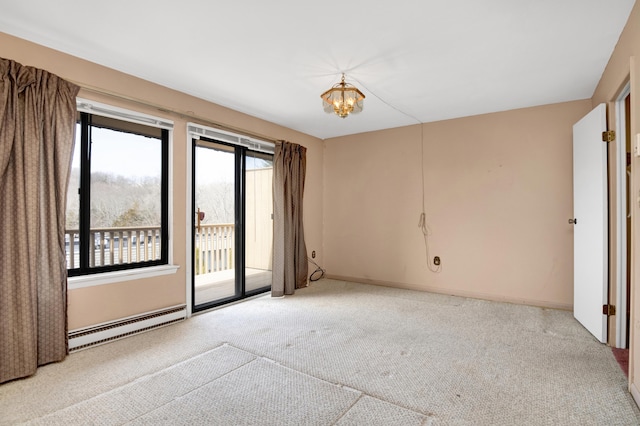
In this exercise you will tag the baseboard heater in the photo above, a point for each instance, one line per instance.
(83, 338)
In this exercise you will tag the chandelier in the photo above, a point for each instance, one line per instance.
(342, 99)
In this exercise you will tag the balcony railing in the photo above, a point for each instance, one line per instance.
(114, 246)
(214, 246)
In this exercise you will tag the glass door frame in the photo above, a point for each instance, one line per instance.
(240, 155)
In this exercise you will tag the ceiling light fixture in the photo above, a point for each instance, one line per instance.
(342, 99)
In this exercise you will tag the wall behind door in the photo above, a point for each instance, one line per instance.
(498, 197)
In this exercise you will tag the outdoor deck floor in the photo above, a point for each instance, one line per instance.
(218, 285)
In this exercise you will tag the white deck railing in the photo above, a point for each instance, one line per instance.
(214, 248)
(115, 246)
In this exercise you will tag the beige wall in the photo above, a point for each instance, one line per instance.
(624, 66)
(259, 222)
(98, 304)
(498, 197)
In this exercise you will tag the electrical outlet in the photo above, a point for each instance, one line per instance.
(313, 254)
(436, 260)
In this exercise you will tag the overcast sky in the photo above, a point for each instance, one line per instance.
(126, 155)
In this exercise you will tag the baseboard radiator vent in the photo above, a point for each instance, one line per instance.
(102, 333)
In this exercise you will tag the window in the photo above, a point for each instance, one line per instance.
(117, 200)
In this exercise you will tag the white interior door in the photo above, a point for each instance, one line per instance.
(590, 211)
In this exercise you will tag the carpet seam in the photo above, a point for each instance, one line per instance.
(340, 385)
(196, 388)
(347, 410)
(146, 376)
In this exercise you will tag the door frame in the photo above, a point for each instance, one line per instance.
(238, 153)
(621, 219)
(189, 222)
(195, 131)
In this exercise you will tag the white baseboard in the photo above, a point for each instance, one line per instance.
(83, 338)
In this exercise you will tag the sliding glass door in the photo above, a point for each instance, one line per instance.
(258, 230)
(232, 223)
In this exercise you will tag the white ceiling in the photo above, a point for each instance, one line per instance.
(415, 60)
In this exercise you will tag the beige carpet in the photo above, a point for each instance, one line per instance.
(339, 353)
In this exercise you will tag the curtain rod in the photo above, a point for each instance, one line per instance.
(182, 115)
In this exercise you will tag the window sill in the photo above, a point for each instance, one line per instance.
(119, 276)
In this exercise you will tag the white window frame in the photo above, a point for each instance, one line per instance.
(82, 281)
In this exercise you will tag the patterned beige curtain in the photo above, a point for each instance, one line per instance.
(37, 118)
(290, 267)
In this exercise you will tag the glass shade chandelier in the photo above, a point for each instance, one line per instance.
(342, 99)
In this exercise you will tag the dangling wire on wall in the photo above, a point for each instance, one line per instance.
(318, 274)
(422, 221)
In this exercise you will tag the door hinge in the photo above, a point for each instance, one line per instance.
(609, 136)
(608, 310)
